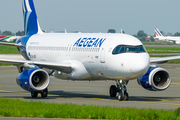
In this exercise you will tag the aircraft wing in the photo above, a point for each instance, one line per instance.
(164, 59)
(10, 44)
(62, 66)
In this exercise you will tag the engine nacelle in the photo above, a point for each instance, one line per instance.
(33, 79)
(156, 79)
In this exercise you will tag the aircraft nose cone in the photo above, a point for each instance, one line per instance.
(139, 64)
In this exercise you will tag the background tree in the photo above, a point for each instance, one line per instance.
(20, 33)
(163, 33)
(0, 33)
(5, 33)
(111, 31)
(141, 33)
(152, 38)
(177, 34)
(169, 34)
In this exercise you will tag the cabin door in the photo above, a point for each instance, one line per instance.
(103, 50)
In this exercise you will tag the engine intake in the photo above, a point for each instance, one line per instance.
(156, 79)
(33, 79)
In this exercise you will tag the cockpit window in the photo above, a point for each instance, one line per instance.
(116, 50)
(129, 49)
(122, 49)
(140, 49)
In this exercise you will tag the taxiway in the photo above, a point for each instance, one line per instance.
(96, 92)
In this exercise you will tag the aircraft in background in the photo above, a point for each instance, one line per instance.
(84, 56)
(9, 38)
(171, 39)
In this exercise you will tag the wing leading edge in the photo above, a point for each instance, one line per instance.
(62, 66)
(164, 59)
(10, 44)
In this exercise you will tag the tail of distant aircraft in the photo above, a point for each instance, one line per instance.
(4, 38)
(157, 32)
(31, 24)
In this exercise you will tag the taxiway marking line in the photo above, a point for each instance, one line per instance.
(23, 92)
(176, 83)
(173, 74)
(106, 99)
(177, 67)
(168, 66)
(6, 91)
(53, 95)
(117, 100)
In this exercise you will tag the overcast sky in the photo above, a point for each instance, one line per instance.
(96, 15)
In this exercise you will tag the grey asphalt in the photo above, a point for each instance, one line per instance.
(96, 92)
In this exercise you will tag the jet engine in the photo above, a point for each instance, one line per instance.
(33, 79)
(156, 79)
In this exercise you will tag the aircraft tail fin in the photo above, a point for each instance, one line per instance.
(4, 38)
(31, 24)
(157, 32)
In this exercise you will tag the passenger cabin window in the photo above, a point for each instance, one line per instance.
(128, 49)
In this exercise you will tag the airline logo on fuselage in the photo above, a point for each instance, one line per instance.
(89, 42)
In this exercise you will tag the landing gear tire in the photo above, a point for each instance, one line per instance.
(120, 96)
(122, 90)
(126, 96)
(44, 93)
(34, 94)
(113, 91)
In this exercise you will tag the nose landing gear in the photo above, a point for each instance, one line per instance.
(120, 89)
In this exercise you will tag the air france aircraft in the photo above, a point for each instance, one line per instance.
(84, 56)
(172, 39)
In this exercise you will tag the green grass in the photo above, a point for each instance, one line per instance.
(8, 50)
(163, 48)
(5, 64)
(18, 108)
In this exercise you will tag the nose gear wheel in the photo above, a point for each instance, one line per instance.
(120, 89)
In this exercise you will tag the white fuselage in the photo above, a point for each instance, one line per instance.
(90, 55)
(169, 39)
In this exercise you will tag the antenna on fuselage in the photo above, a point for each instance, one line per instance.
(122, 32)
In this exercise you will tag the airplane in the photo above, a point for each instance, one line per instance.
(83, 57)
(171, 39)
(9, 38)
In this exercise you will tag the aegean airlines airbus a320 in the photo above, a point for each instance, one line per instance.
(83, 56)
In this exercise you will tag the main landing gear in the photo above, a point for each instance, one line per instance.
(44, 93)
(120, 89)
